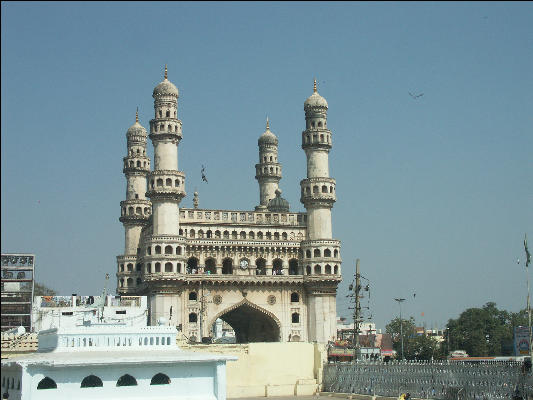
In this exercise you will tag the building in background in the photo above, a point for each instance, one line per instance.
(71, 311)
(18, 273)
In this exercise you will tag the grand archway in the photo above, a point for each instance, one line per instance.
(251, 323)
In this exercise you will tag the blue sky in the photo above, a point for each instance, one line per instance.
(434, 194)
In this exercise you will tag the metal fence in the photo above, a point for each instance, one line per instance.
(431, 380)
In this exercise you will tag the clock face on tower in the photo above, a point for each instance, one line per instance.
(244, 264)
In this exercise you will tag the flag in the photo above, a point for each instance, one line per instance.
(528, 256)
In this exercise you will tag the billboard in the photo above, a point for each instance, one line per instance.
(521, 341)
(17, 276)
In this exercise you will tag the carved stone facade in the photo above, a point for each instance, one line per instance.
(270, 273)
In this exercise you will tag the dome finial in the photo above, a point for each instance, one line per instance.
(137, 115)
(314, 86)
(166, 72)
(268, 125)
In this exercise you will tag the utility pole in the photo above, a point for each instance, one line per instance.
(528, 260)
(357, 312)
(401, 321)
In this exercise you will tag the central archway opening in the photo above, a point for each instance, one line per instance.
(251, 325)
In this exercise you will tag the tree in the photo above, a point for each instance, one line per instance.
(41, 290)
(485, 331)
(415, 347)
(407, 327)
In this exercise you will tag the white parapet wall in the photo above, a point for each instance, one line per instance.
(271, 369)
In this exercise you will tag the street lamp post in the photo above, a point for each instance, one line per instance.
(401, 321)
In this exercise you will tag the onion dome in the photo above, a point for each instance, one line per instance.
(315, 100)
(165, 88)
(268, 137)
(278, 203)
(136, 128)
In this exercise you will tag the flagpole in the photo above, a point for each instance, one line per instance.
(528, 260)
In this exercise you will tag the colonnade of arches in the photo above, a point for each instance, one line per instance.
(95, 381)
(228, 268)
(241, 235)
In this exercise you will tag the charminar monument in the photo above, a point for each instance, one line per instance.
(270, 273)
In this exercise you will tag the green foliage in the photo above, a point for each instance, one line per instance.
(485, 331)
(41, 290)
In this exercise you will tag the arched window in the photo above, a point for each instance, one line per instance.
(160, 379)
(193, 317)
(160, 113)
(168, 249)
(91, 381)
(227, 266)
(138, 164)
(251, 235)
(210, 266)
(168, 182)
(316, 253)
(159, 182)
(315, 189)
(191, 233)
(226, 235)
(47, 383)
(318, 269)
(259, 235)
(126, 380)
(176, 182)
(284, 236)
(276, 235)
(308, 253)
(295, 318)
(277, 267)
(327, 253)
(324, 189)
(260, 265)
(209, 234)
(328, 269)
(192, 265)
(178, 268)
(336, 269)
(295, 297)
(242, 235)
(234, 235)
(148, 268)
(217, 234)
(193, 296)
(157, 249)
(167, 114)
(293, 266)
(178, 251)
(168, 267)
(157, 267)
(268, 236)
(335, 253)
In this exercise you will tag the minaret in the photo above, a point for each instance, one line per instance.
(321, 253)
(268, 171)
(136, 209)
(167, 184)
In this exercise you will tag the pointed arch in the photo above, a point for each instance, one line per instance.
(127, 380)
(47, 383)
(249, 304)
(91, 381)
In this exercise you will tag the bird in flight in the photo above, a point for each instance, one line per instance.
(415, 96)
(203, 175)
